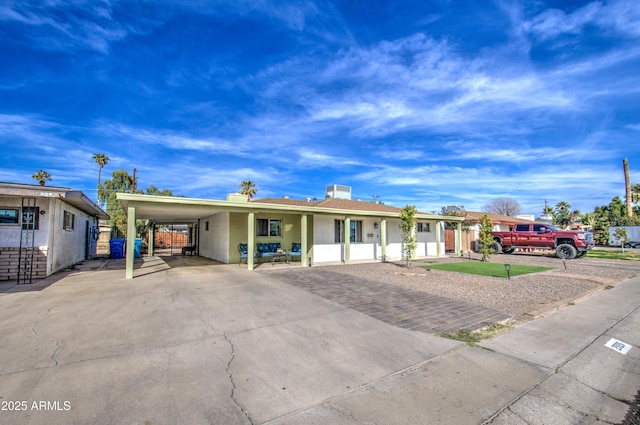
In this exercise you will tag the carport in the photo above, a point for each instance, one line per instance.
(167, 210)
(193, 211)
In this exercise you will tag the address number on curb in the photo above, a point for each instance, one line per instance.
(619, 346)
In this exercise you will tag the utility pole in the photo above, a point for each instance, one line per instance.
(627, 185)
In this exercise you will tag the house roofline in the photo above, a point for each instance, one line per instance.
(140, 200)
(73, 197)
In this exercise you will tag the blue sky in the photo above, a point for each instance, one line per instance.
(430, 103)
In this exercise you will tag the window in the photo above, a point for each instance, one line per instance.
(269, 227)
(355, 231)
(9, 216)
(68, 221)
(522, 227)
(206, 226)
(424, 227)
(31, 218)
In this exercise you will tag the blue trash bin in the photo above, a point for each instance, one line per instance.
(116, 246)
(136, 248)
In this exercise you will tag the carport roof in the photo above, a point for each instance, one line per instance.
(169, 209)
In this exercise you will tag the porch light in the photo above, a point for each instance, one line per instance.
(375, 225)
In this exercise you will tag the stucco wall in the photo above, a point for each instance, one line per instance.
(325, 248)
(68, 246)
(227, 230)
(62, 248)
(214, 242)
(10, 233)
(427, 245)
(238, 231)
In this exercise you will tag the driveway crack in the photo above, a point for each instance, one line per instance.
(341, 410)
(233, 384)
(55, 352)
(35, 325)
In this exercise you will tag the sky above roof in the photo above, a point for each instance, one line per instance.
(429, 103)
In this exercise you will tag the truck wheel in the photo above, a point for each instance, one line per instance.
(508, 250)
(566, 251)
(496, 247)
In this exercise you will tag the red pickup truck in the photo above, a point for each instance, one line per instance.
(567, 244)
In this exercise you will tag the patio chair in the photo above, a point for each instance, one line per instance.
(296, 250)
(244, 253)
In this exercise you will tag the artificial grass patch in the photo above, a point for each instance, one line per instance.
(487, 268)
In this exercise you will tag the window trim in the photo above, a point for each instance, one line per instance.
(420, 227)
(68, 221)
(264, 227)
(355, 231)
(17, 218)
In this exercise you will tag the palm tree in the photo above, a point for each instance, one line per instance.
(102, 160)
(41, 176)
(248, 188)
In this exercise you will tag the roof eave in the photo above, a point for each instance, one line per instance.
(132, 199)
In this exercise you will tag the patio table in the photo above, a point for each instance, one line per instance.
(279, 257)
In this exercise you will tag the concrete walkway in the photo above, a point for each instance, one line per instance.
(216, 344)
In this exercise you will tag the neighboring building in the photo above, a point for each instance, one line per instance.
(217, 227)
(500, 223)
(44, 229)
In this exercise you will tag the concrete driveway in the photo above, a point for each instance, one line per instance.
(202, 343)
(195, 344)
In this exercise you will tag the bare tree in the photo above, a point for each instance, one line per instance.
(503, 206)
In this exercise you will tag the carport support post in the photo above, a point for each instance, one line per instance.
(152, 238)
(438, 239)
(383, 238)
(347, 240)
(459, 238)
(304, 259)
(251, 238)
(131, 241)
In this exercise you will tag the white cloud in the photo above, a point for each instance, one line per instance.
(622, 17)
(72, 25)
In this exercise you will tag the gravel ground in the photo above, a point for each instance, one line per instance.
(522, 297)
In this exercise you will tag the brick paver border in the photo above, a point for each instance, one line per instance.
(401, 307)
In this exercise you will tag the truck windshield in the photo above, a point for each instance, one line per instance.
(554, 228)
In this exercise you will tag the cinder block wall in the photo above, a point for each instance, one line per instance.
(9, 258)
